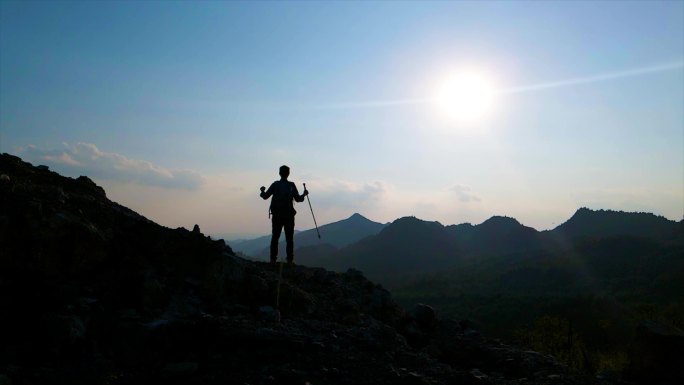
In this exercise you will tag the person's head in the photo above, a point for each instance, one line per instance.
(284, 171)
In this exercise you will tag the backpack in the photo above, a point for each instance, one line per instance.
(281, 203)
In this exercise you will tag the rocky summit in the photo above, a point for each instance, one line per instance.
(94, 293)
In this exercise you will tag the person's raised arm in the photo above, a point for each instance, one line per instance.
(296, 196)
(267, 193)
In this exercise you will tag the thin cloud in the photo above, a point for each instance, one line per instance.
(87, 159)
(618, 74)
(464, 193)
(343, 194)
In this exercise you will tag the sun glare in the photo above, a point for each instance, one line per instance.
(466, 97)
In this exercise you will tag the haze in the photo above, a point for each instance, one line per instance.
(182, 110)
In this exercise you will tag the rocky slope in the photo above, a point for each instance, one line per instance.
(92, 292)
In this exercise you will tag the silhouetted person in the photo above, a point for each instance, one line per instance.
(282, 212)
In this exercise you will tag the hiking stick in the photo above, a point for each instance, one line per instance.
(312, 214)
(280, 278)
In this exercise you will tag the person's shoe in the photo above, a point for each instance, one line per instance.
(274, 262)
(290, 263)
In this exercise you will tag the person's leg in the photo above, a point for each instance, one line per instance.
(277, 227)
(289, 237)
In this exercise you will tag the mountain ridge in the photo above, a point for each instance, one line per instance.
(497, 233)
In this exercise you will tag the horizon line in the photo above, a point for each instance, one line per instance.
(242, 239)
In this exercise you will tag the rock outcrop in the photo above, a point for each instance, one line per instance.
(92, 292)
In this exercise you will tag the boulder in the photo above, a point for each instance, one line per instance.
(425, 316)
(91, 186)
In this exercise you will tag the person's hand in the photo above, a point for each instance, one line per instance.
(262, 189)
(306, 192)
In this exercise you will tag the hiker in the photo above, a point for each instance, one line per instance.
(282, 212)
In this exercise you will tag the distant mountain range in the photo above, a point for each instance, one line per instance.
(604, 270)
(411, 246)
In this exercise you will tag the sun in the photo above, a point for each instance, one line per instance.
(466, 96)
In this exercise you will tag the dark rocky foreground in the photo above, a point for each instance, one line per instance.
(93, 293)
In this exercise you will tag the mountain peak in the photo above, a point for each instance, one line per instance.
(412, 219)
(585, 212)
(357, 216)
(411, 226)
(588, 222)
(500, 221)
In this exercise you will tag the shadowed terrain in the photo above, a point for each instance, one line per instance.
(93, 292)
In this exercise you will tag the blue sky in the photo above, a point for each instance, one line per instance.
(181, 110)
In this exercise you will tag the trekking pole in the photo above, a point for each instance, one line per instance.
(280, 278)
(312, 214)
